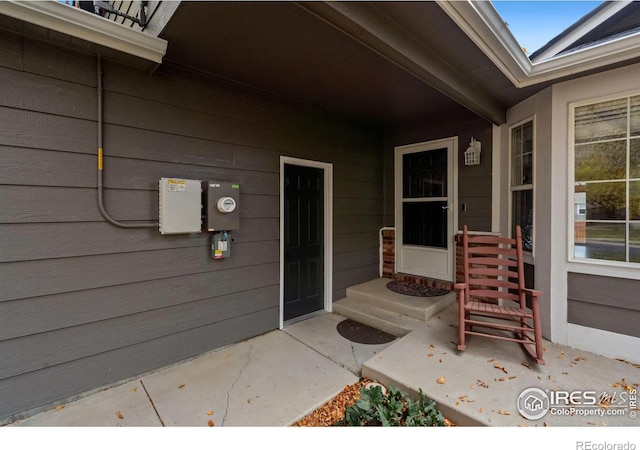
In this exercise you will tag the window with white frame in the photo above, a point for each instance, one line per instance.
(606, 162)
(521, 185)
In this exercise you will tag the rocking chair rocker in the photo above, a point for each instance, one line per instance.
(493, 295)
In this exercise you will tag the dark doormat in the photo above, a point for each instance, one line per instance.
(414, 289)
(363, 334)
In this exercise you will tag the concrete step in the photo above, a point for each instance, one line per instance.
(376, 293)
(374, 316)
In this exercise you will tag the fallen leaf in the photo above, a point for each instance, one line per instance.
(512, 377)
(134, 389)
(430, 355)
(591, 423)
(491, 360)
(480, 410)
(440, 360)
(209, 413)
(248, 400)
(457, 403)
(602, 423)
(482, 384)
(119, 414)
(473, 386)
(181, 386)
(560, 356)
(59, 407)
(431, 347)
(565, 373)
(504, 413)
(210, 423)
(499, 367)
(500, 379)
(526, 365)
(441, 380)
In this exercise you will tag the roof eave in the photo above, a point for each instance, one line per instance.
(484, 26)
(89, 27)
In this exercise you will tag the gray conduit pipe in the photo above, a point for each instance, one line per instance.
(103, 211)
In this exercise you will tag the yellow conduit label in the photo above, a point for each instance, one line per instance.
(100, 159)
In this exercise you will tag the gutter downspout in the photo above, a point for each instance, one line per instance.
(103, 211)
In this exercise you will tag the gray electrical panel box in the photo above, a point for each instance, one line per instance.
(180, 206)
(222, 200)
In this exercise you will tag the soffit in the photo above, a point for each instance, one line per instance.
(286, 50)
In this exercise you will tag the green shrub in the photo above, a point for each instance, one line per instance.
(395, 408)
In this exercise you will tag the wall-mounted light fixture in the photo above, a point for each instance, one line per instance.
(472, 155)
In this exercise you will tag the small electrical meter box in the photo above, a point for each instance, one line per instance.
(180, 206)
(222, 200)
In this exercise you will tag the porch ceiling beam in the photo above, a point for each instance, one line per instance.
(365, 24)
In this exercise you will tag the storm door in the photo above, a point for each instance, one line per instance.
(425, 196)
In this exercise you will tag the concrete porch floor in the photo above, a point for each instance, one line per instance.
(279, 377)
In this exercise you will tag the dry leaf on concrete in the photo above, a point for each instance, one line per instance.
(441, 380)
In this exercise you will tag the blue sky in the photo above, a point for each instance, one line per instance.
(534, 23)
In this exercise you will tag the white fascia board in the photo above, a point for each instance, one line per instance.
(83, 25)
(484, 26)
(590, 58)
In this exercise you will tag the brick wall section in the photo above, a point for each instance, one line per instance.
(388, 253)
(388, 264)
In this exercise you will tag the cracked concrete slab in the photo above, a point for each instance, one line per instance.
(126, 405)
(272, 380)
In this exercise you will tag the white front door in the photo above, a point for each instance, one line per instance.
(425, 198)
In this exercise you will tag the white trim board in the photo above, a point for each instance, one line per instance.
(606, 343)
(328, 229)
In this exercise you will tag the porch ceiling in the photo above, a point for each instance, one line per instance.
(385, 63)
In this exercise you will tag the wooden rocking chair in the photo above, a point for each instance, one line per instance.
(493, 295)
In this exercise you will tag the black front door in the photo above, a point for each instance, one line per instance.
(303, 236)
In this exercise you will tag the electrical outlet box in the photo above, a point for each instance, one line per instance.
(180, 206)
(222, 200)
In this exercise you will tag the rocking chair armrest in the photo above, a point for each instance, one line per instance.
(460, 286)
(533, 293)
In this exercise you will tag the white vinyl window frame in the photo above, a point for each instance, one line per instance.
(586, 265)
(528, 255)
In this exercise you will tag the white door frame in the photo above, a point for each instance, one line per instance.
(451, 143)
(328, 228)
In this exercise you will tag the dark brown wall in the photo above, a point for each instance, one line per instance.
(604, 303)
(84, 303)
(474, 182)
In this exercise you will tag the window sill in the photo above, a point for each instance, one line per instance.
(604, 268)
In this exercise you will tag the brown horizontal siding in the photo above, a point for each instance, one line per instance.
(605, 303)
(84, 303)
